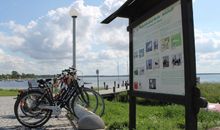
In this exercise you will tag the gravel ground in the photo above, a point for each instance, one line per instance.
(9, 122)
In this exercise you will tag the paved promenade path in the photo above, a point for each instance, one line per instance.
(214, 107)
(110, 91)
(9, 122)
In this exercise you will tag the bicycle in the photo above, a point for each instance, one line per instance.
(34, 106)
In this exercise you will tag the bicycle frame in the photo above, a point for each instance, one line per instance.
(63, 99)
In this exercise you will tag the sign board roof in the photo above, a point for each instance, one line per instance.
(132, 9)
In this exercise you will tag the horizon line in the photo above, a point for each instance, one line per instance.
(115, 75)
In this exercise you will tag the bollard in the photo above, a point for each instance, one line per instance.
(114, 89)
(114, 83)
(118, 85)
(88, 120)
(198, 80)
(123, 83)
(104, 85)
(114, 93)
(91, 122)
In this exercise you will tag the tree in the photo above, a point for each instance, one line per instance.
(15, 74)
(23, 75)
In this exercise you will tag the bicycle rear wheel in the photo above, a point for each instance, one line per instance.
(88, 100)
(27, 112)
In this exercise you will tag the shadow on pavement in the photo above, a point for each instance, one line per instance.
(8, 117)
(46, 127)
(49, 127)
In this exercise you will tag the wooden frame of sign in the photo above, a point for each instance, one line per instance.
(164, 39)
(162, 55)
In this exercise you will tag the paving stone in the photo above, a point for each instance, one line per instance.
(8, 120)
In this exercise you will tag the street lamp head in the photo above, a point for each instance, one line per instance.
(73, 12)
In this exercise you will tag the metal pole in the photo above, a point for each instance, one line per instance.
(74, 41)
(97, 72)
(98, 81)
(118, 71)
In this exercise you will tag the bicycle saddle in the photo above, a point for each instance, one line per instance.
(43, 81)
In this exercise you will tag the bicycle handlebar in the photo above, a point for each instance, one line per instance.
(72, 68)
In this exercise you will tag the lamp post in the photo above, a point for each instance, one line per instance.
(73, 13)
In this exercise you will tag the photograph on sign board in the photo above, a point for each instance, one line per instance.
(176, 40)
(155, 45)
(165, 43)
(149, 64)
(149, 46)
(156, 63)
(141, 71)
(165, 61)
(152, 83)
(177, 60)
(139, 85)
(136, 72)
(136, 85)
(135, 54)
(141, 53)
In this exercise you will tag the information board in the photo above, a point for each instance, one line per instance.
(158, 58)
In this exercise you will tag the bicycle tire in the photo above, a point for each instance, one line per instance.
(36, 124)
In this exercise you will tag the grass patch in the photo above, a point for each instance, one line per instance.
(208, 120)
(166, 117)
(8, 92)
(211, 91)
(154, 115)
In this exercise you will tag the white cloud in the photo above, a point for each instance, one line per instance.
(116, 38)
(11, 41)
(31, 24)
(111, 5)
(9, 63)
(17, 28)
(207, 51)
(207, 41)
(45, 44)
(112, 54)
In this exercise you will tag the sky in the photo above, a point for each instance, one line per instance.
(36, 36)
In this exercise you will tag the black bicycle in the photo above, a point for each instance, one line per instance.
(34, 106)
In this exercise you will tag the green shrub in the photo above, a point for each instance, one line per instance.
(208, 119)
(118, 126)
(211, 91)
(122, 97)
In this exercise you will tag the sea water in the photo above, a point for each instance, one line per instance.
(90, 82)
(109, 80)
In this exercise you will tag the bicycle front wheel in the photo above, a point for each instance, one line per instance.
(88, 100)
